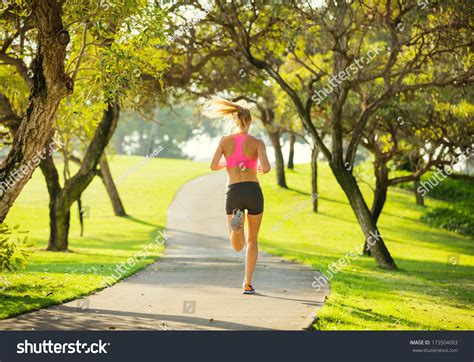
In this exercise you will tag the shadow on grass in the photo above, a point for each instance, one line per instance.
(334, 200)
(134, 219)
(368, 315)
(12, 305)
(299, 191)
(432, 240)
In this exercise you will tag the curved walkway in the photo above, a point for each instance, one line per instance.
(196, 285)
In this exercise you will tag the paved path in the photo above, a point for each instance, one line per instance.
(196, 285)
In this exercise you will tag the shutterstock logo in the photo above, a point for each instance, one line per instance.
(46, 347)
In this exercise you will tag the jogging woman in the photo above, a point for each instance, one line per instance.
(242, 153)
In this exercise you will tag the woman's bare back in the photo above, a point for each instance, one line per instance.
(241, 173)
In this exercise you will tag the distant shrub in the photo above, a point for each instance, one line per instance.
(450, 189)
(453, 190)
(459, 191)
(451, 219)
(14, 248)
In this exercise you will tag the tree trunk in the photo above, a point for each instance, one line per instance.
(314, 178)
(364, 217)
(279, 162)
(59, 221)
(111, 188)
(50, 84)
(8, 117)
(74, 187)
(267, 116)
(59, 217)
(380, 194)
(151, 144)
(81, 216)
(419, 198)
(291, 154)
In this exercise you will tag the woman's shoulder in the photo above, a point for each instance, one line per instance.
(257, 141)
(226, 137)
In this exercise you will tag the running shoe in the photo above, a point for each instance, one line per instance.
(237, 221)
(248, 289)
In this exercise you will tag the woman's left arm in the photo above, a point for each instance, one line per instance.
(264, 166)
(216, 165)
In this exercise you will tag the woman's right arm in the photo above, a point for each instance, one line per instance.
(216, 163)
(264, 166)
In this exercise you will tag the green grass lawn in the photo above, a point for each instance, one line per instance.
(52, 278)
(432, 288)
(427, 292)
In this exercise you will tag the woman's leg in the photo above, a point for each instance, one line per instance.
(237, 239)
(254, 222)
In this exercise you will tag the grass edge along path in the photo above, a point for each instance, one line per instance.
(51, 278)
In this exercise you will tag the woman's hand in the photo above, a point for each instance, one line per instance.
(260, 169)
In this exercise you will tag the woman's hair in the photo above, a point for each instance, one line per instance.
(219, 107)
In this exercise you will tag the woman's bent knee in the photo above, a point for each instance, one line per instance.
(238, 247)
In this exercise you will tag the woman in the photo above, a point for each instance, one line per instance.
(242, 153)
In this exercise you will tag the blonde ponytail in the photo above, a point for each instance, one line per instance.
(218, 107)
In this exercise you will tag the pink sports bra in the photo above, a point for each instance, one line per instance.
(237, 158)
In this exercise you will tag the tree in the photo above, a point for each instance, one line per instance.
(111, 187)
(110, 49)
(353, 45)
(49, 84)
(202, 66)
(13, 102)
(416, 132)
(274, 130)
(61, 198)
(123, 48)
(291, 152)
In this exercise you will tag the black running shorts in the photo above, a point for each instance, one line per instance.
(244, 195)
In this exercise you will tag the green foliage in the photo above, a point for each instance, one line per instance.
(116, 46)
(14, 248)
(450, 189)
(14, 88)
(11, 8)
(450, 218)
(111, 55)
(458, 217)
